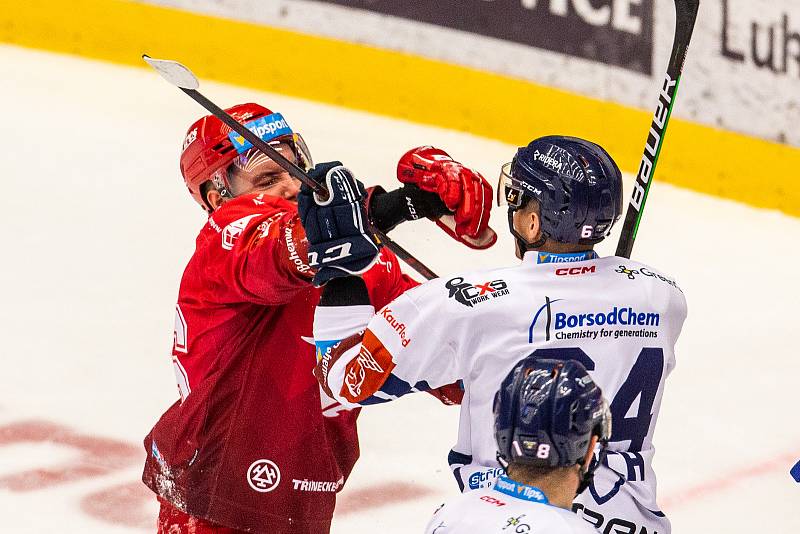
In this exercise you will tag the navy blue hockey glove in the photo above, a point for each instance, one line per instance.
(339, 237)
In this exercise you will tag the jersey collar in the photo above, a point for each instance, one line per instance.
(552, 257)
(521, 491)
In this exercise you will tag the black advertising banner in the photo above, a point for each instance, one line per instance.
(614, 32)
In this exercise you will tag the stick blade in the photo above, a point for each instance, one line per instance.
(174, 72)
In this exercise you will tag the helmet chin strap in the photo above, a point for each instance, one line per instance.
(586, 476)
(587, 472)
(522, 243)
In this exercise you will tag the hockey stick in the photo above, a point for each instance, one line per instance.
(181, 77)
(685, 16)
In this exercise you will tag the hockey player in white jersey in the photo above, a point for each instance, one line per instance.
(618, 317)
(548, 417)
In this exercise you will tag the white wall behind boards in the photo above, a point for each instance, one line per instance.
(742, 72)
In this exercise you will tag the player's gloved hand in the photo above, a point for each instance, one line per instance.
(464, 191)
(408, 203)
(340, 240)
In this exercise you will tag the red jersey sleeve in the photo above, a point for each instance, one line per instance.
(385, 281)
(260, 255)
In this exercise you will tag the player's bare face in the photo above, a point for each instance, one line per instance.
(254, 172)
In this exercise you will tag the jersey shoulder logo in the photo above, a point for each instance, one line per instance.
(232, 232)
(644, 272)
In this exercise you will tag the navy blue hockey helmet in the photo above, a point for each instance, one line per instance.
(546, 412)
(577, 184)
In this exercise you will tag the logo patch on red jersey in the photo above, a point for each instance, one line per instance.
(263, 476)
(232, 232)
(385, 264)
(294, 257)
(317, 485)
(265, 227)
(213, 224)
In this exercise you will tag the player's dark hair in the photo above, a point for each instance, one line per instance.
(528, 474)
(532, 205)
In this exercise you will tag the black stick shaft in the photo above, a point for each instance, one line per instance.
(685, 17)
(301, 175)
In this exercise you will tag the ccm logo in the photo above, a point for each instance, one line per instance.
(573, 271)
(492, 500)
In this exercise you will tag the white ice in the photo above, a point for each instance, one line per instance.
(99, 226)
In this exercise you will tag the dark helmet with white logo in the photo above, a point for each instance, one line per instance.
(577, 184)
(546, 413)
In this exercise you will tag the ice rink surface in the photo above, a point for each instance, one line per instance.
(99, 226)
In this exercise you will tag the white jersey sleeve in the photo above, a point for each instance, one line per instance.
(619, 318)
(410, 345)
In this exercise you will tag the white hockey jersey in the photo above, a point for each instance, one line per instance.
(619, 318)
(508, 507)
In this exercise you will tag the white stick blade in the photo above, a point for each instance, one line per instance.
(174, 72)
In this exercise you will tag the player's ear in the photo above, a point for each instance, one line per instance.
(536, 224)
(532, 222)
(214, 199)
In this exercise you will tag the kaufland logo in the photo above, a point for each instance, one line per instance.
(396, 325)
(556, 324)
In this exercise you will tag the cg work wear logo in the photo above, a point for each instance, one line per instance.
(263, 476)
(470, 294)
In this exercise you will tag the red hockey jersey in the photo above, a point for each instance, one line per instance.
(251, 445)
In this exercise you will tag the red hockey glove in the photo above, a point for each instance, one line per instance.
(464, 191)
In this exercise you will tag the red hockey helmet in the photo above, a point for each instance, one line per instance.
(210, 146)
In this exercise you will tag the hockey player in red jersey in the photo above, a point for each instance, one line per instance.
(252, 445)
